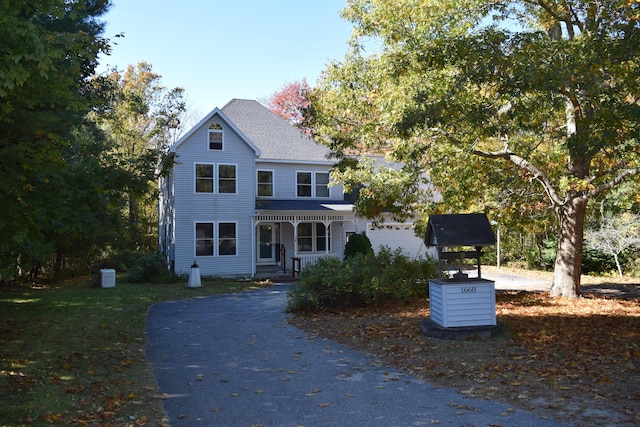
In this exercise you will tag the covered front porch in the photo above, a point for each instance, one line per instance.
(302, 237)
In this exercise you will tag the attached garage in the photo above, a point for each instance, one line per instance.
(396, 235)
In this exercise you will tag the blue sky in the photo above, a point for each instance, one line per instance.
(218, 50)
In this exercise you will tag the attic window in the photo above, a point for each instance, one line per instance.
(215, 136)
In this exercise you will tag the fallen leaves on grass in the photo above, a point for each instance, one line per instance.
(565, 358)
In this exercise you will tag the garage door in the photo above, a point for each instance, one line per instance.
(396, 236)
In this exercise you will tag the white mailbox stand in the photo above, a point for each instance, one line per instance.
(455, 304)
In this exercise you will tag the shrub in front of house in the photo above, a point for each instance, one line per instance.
(141, 267)
(361, 280)
(148, 267)
(358, 244)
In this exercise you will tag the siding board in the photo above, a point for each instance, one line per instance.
(459, 304)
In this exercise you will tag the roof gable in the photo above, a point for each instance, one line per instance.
(205, 121)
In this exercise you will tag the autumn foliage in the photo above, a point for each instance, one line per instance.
(575, 360)
(290, 102)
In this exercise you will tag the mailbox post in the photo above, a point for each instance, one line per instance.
(460, 301)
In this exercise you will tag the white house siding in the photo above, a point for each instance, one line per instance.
(192, 207)
(166, 218)
(284, 178)
(396, 235)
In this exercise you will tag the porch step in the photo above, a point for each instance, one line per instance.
(274, 273)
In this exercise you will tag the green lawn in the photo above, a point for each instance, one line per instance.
(73, 354)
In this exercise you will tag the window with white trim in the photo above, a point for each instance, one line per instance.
(323, 241)
(215, 239)
(227, 179)
(227, 238)
(215, 136)
(322, 184)
(204, 178)
(305, 237)
(312, 237)
(265, 183)
(303, 183)
(204, 239)
(211, 178)
(312, 184)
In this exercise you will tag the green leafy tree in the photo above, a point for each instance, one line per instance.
(141, 121)
(522, 108)
(88, 213)
(49, 50)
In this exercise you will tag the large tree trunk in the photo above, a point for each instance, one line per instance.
(568, 268)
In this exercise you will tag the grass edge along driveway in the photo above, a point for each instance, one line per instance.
(74, 354)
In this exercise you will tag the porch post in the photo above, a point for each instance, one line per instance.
(295, 223)
(254, 248)
(327, 224)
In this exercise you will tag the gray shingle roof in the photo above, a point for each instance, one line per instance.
(276, 138)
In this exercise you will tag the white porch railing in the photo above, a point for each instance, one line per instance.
(306, 260)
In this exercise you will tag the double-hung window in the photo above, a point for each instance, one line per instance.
(322, 184)
(221, 244)
(312, 184)
(211, 179)
(323, 241)
(303, 182)
(204, 239)
(226, 238)
(215, 136)
(265, 183)
(204, 178)
(305, 237)
(313, 237)
(227, 179)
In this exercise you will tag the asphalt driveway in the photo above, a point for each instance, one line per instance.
(232, 360)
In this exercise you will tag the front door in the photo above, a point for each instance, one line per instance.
(268, 239)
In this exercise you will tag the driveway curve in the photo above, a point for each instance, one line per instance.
(233, 360)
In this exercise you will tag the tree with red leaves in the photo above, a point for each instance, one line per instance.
(290, 101)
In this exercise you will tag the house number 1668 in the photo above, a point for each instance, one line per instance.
(468, 289)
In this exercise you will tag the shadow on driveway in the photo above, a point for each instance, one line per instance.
(233, 360)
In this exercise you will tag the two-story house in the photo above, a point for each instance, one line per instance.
(248, 189)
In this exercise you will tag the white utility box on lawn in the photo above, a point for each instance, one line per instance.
(462, 303)
(107, 278)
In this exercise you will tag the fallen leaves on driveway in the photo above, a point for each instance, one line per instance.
(575, 360)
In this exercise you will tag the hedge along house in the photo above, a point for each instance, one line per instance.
(247, 189)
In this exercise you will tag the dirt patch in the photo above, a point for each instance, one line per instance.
(577, 361)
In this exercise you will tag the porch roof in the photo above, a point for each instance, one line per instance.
(324, 206)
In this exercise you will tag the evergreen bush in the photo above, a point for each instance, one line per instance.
(358, 244)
